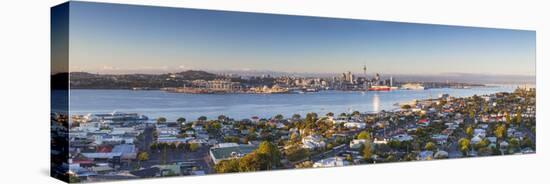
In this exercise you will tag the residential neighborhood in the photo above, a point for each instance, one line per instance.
(122, 145)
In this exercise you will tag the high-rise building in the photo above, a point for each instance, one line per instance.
(350, 77)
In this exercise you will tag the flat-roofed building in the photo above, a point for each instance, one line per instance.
(227, 151)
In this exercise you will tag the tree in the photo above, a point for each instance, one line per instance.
(202, 118)
(367, 150)
(481, 144)
(181, 120)
(142, 156)
(222, 118)
(74, 179)
(430, 146)
(343, 115)
(484, 151)
(406, 107)
(227, 166)
(394, 144)
(463, 145)
(279, 117)
(311, 118)
(181, 146)
(364, 135)
(161, 120)
(252, 162)
(271, 153)
(526, 143)
(517, 118)
(193, 147)
(330, 114)
(173, 146)
(470, 131)
(296, 153)
(153, 146)
(508, 118)
(514, 144)
(296, 117)
(500, 131)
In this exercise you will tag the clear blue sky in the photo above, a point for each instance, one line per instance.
(108, 38)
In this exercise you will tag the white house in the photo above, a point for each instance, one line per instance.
(380, 141)
(355, 125)
(331, 162)
(356, 143)
(313, 142)
(403, 137)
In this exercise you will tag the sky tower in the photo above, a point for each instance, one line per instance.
(365, 75)
(365, 70)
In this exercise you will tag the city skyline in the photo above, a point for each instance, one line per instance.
(161, 40)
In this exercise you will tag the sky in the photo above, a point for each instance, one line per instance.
(117, 39)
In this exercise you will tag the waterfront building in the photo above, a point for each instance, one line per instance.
(223, 85)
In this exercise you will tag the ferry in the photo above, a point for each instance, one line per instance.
(380, 88)
(411, 86)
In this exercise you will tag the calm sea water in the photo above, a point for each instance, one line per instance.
(173, 105)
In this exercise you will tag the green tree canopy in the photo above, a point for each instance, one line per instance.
(470, 131)
(271, 152)
(364, 135)
(279, 117)
(500, 131)
(430, 146)
(181, 120)
(161, 120)
(193, 147)
(368, 150)
(202, 118)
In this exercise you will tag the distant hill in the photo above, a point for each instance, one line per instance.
(195, 75)
(59, 81)
(84, 80)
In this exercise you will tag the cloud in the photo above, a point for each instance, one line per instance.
(107, 67)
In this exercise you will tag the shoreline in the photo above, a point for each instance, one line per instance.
(395, 107)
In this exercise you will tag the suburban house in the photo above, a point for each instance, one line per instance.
(331, 162)
(313, 142)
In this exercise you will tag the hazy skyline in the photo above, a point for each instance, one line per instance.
(116, 39)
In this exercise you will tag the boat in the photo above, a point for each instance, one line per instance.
(380, 88)
(412, 86)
